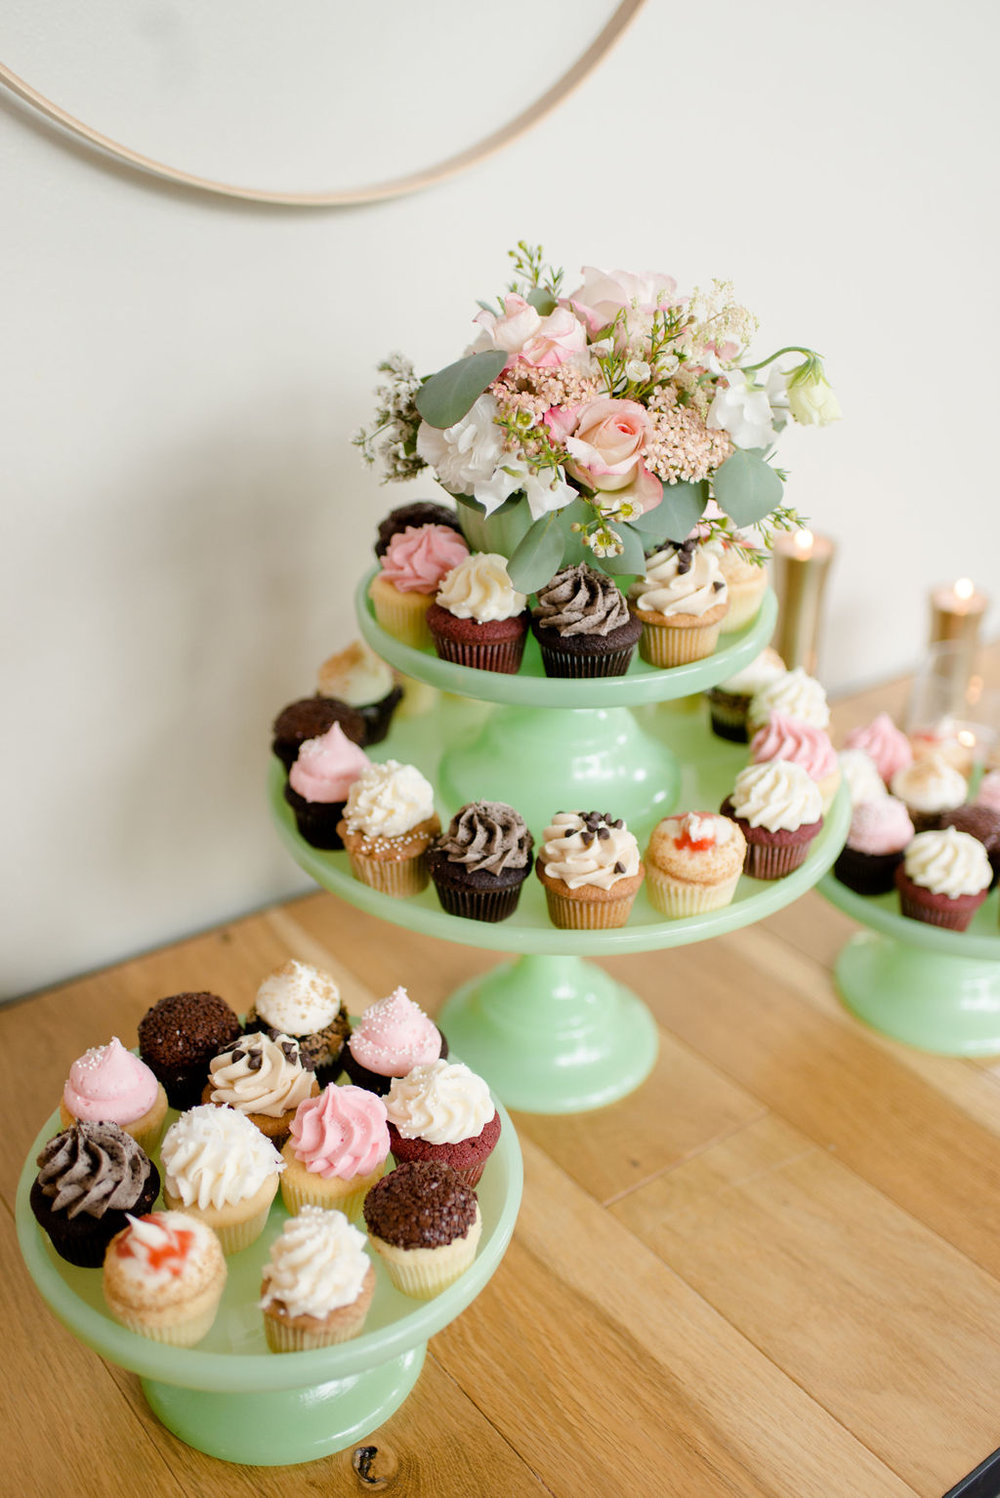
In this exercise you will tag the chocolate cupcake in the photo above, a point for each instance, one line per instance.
(309, 718)
(983, 823)
(179, 1036)
(325, 768)
(89, 1177)
(421, 512)
(879, 834)
(391, 1037)
(583, 626)
(479, 865)
(425, 1224)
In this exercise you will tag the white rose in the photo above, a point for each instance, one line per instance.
(469, 451)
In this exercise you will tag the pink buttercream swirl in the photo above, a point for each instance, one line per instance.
(418, 557)
(988, 793)
(394, 1035)
(881, 826)
(327, 767)
(790, 738)
(110, 1085)
(343, 1132)
(883, 742)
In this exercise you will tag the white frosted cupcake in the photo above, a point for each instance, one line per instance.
(861, 776)
(681, 603)
(944, 878)
(304, 1002)
(779, 811)
(389, 823)
(730, 700)
(796, 694)
(263, 1079)
(163, 1277)
(928, 788)
(443, 1112)
(590, 869)
(318, 1282)
(219, 1167)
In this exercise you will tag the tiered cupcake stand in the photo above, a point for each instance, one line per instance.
(937, 990)
(549, 1030)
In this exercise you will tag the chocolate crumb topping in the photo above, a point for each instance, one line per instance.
(184, 1027)
(420, 1205)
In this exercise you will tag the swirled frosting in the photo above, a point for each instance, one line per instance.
(930, 785)
(418, 557)
(356, 676)
(796, 694)
(988, 793)
(487, 835)
(393, 1035)
(298, 999)
(327, 767)
(318, 1264)
(92, 1168)
(389, 800)
(341, 1133)
(948, 863)
(584, 847)
(581, 601)
(680, 580)
(109, 1082)
(213, 1156)
(764, 668)
(162, 1248)
(778, 796)
(861, 776)
(480, 588)
(789, 738)
(886, 744)
(260, 1075)
(880, 826)
(442, 1103)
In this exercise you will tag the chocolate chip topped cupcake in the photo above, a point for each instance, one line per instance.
(89, 1177)
(302, 1001)
(263, 1079)
(590, 869)
(583, 626)
(681, 603)
(425, 1224)
(310, 718)
(179, 1036)
(479, 865)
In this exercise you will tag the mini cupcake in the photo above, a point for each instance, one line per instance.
(361, 679)
(392, 1036)
(479, 865)
(729, 701)
(802, 744)
(89, 1177)
(318, 1282)
(419, 512)
(745, 573)
(108, 1083)
(929, 788)
(302, 1001)
(693, 863)
(796, 694)
(164, 1275)
(582, 623)
(944, 878)
(681, 603)
(311, 718)
(880, 831)
(179, 1036)
(590, 870)
(444, 1113)
(778, 809)
(263, 1079)
(884, 743)
(389, 822)
(860, 774)
(318, 783)
(425, 1224)
(220, 1168)
(413, 567)
(479, 618)
(337, 1150)
(988, 791)
(983, 823)
(947, 741)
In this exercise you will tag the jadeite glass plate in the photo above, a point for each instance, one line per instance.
(881, 913)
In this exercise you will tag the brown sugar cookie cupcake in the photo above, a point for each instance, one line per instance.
(929, 788)
(693, 863)
(443, 1112)
(179, 1036)
(590, 870)
(318, 1282)
(302, 1001)
(89, 1177)
(389, 822)
(425, 1224)
(479, 618)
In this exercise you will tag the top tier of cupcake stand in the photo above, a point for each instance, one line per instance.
(551, 1032)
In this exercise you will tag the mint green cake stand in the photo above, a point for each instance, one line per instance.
(937, 990)
(232, 1398)
(551, 1031)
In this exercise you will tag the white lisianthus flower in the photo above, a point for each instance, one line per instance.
(502, 483)
(468, 452)
(743, 411)
(546, 489)
(810, 397)
(776, 387)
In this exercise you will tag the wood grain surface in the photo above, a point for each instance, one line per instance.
(772, 1270)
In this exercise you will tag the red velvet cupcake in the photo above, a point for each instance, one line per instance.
(944, 878)
(778, 808)
(479, 618)
(443, 1113)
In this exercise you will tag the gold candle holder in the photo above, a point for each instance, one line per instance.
(957, 613)
(800, 568)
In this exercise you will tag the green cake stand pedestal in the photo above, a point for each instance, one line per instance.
(936, 990)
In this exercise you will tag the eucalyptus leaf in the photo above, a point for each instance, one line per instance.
(537, 556)
(542, 301)
(451, 393)
(678, 512)
(747, 487)
(632, 559)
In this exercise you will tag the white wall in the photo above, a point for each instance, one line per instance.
(184, 515)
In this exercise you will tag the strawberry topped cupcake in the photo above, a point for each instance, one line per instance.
(108, 1082)
(392, 1036)
(479, 618)
(693, 863)
(884, 743)
(414, 563)
(789, 738)
(319, 782)
(164, 1275)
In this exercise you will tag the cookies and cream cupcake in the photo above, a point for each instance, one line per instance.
(219, 1167)
(583, 626)
(884, 743)
(264, 1079)
(425, 1224)
(392, 1036)
(880, 831)
(414, 563)
(479, 618)
(317, 1283)
(336, 1150)
(729, 700)
(164, 1275)
(361, 680)
(929, 787)
(108, 1083)
(796, 694)
(479, 865)
(389, 822)
(782, 737)
(590, 869)
(779, 810)
(304, 1002)
(318, 783)
(443, 1112)
(944, 878)
(89, 1177)
(693, 863)
(680, 602)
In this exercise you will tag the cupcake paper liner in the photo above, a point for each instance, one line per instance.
(503, 656)
(867, 873)
(775, 860)
(401, 877)
(301, 1333)
(587, 915)
(423, 1273)
(479, 904)
(301, 1188)
(403, 615)
(677, 645)
(674, 899)
(560, 663)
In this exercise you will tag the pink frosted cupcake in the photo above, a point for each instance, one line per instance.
(884, 743)
(880, 832)
(392, 1036)
(107, 1084)
(413, 566)
(337, 1150)
(319, 782)
(943, 879)
(801, 743)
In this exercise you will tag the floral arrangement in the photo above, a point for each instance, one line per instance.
(619, 416)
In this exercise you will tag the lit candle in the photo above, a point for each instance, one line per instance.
(801, 563)
(957, 612)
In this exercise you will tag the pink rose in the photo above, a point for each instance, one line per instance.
(606, 450)
(603, 293)
(523, 333)
(519, 322)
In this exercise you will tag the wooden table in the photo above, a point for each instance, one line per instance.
(775, 1269)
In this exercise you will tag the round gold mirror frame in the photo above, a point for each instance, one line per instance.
(393, 188)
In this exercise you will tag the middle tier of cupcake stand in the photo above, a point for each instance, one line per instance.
(550, 1031)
